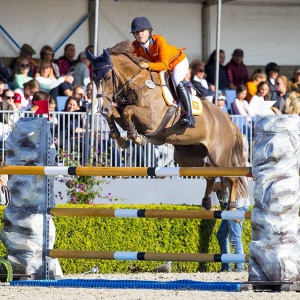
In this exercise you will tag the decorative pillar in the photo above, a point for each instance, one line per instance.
(25, 226)
(275, 246)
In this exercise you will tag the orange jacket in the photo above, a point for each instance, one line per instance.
(163, 56)
(251, 90)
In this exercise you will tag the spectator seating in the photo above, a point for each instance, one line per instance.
(230, 96)
(61, 102)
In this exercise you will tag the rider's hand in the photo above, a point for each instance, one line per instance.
(144, 65)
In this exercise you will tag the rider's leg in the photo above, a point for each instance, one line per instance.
(187, 119)
(179, 72)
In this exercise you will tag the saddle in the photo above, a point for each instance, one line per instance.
(170, 94)
(172, 100)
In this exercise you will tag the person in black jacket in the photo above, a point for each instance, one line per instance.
(272, 71)
(210, 70)
(5, 73)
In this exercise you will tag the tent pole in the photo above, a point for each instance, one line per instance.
(93, 86)
(218, 50)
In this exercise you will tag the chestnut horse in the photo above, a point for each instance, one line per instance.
(130, 99)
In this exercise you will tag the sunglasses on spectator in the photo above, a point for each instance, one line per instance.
(278, 83)
(201, 70)
(10, 97)
(79, 94)
(25, 66)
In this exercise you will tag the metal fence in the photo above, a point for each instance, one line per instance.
(74, 144)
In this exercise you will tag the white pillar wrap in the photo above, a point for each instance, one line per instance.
(23, 220)
(275, 245)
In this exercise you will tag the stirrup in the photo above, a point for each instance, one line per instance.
(187, 120)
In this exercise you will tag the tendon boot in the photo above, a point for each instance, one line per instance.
(186, 119)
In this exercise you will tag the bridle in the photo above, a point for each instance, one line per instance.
(116, 93)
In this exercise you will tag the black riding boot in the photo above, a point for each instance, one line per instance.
(186, 118)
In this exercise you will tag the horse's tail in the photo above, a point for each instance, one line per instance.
(237, 160)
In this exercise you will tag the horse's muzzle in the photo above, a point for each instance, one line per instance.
(105, 111)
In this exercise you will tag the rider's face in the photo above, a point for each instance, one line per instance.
(142, 36)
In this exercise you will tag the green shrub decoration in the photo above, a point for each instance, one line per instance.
(138, 235)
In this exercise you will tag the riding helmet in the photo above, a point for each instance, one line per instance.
(140, 24)
(272, 67)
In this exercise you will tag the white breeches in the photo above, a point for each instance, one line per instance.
(180, 71)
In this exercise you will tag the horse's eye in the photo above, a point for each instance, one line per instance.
(107, 78)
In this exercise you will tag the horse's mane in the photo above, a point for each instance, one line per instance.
(125, 48)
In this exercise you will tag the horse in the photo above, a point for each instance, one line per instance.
(132, 98)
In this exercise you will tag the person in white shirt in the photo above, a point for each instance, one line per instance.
(240, 105)
(23, 96)
(263, 94)
(46, 78)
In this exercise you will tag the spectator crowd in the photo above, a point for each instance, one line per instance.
(64, 75)
(28, 80)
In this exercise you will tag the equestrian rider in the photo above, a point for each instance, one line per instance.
(162, 57)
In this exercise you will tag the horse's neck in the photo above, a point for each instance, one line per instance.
(125, 68)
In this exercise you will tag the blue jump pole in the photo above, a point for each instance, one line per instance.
(72, 31)
(9, 36)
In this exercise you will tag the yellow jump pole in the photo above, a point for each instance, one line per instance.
(126, 171)
(149, 256)
(140, 213)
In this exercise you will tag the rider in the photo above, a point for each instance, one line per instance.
(163, 56)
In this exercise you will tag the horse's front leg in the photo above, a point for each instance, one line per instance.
(206, 201)
(114, 131)
(132, 133)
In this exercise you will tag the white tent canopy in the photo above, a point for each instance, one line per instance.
(265, 30)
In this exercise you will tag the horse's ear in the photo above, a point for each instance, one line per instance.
(106, 55)
(91, 57)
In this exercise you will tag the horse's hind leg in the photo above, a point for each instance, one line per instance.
(132, 133)
(206, 201)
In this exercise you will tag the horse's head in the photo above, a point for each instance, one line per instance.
(116, 73)
(102, 68)
(101, 64)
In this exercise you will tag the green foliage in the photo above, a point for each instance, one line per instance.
(2, 247)
(9, 270)
(133, 234)
(138, 235)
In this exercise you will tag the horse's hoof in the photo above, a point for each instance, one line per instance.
(141, 140)
(206, 203)
(144, 141)
(124, 143)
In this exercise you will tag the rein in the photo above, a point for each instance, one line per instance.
(116, 96)
(116, 93)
